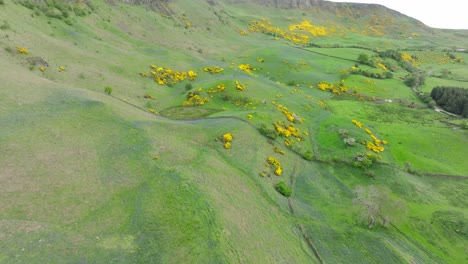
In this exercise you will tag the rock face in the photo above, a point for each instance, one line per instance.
(284, 3)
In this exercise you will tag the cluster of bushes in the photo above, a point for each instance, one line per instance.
(375, 62)
(427, 99)
(415, 79)
(451, 99)
(374, 75)
(58, 9)
(267, 132)
(283, 189)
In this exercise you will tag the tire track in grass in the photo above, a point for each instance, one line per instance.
(301, 228)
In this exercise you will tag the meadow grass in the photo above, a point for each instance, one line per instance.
(95, 178)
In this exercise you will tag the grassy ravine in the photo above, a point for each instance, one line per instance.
(136, 178)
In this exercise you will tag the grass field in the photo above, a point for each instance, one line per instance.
(135, 177)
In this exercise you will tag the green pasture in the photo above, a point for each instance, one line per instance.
(89, 177)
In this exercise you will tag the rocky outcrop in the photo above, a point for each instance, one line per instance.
(284, 3)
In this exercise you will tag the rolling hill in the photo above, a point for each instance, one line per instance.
(228, 132)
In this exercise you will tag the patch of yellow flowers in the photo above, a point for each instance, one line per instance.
(337, 88)
(265, 26)
(164, 76)
(408, 57)
(194, 99)
(376, 144)
(22, 50)
(214, 69)
(218, 89)
(246, 68)
(239, 86)
(309, 27)
(277, 166)
(227, 138)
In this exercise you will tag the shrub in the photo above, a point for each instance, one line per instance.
(363, 58)
(349, 141)
(2, 2)
(292, 83)
(308, 155)
(283, 189)
(410, 169)
(188, 87)
(267, 132)
(108, 90)
(464, 125)
(362, 161)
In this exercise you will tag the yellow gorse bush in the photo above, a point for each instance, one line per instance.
(218, 89)
(322, 104)
(408, 57)
(239, 86)
(375, 144)
(164, 76)
(278, 170)
(337, 88)
(265, 26)
(227, 138)
(194, 99)
(381, 66)
(357, 123)
(277, 150)
(22, 50)
(246, 68)
(214, 69)
(310, 28)
(290, 116)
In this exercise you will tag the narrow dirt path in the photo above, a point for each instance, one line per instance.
(301, 228)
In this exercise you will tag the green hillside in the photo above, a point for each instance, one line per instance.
(228, 132)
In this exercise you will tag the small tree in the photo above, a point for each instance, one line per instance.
(464, 125)
(363, 58)
(282, 188)
(108, 90)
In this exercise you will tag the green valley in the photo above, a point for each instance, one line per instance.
(223, 131)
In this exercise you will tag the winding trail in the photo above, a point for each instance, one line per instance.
(301, 228)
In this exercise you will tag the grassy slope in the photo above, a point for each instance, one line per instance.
(106, 198)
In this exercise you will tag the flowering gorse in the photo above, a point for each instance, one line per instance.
(239, 86)
(164, 76)
(22, 50)
(194, 99)
(375, 145)
(227, 138)
(278, 170)
(214, 69)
